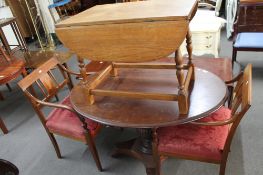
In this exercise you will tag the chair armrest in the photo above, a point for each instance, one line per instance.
(216, 123)
(44, 103)
(72, 72)
(56, 105)
(234, 79)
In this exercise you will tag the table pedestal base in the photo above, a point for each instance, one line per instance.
(139, 148)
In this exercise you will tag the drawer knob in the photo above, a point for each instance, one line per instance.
(208, 37)
(208, 46)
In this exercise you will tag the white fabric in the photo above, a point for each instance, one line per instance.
(230, 17)
(42, 7)
(5, 12)
(218, 6)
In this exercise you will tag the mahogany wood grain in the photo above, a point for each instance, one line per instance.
(141, 148)
(10, 68)
(124, 112)
(220, 66)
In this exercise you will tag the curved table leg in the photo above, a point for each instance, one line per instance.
(139, 148)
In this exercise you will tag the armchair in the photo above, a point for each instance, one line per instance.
(209, 139)
(63, 119)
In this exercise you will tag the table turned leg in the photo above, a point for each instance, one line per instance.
(189, 47)
(182, 99)
(179, 70)
(139, 148)
(82, 69)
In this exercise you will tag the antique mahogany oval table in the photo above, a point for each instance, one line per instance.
(209, 92)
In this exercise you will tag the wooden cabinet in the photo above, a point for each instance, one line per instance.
(24, 21)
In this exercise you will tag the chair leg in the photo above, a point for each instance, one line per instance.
(55, 144)
(8, 87)
(234, 55)
(56, 96)
(1, 96)
(222, 168)
(93, 150)
(3, 127)
(70, 82)
(156, 156)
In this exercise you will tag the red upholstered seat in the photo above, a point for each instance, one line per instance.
(206, 142)
(65, 122)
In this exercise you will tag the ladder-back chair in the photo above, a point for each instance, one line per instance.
(63, 120)
(209, 139)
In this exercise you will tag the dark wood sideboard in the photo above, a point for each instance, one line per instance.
(85, 4)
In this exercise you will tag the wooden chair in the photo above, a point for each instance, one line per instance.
(10, 69)
(208, 139)
(3, 127)
(63, 120)
(248, 29)
(65, 8)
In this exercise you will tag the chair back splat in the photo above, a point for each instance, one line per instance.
(241, 101)
(44, 79)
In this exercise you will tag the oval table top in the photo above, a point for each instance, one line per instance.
(208, 94)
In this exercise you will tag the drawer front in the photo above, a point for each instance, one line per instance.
(203, 43)
(201, 38)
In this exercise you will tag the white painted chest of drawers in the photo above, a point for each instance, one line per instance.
(206, 31)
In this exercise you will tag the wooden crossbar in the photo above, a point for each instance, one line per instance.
(138, 95)
(148, 66)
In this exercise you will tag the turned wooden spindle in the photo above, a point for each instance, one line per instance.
(179, 72)
(82, 69)
(189, 47)
(114, 71)
(84, 80)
